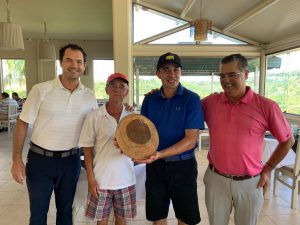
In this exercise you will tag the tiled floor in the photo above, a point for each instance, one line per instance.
(14, 207)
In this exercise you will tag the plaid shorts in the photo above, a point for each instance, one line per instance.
(123, 201)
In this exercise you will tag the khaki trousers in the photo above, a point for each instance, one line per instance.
(224, 194)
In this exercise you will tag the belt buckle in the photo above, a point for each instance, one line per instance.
(48, 153)
(66, 154)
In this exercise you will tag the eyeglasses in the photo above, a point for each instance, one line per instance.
(231, 75)
(118, 86)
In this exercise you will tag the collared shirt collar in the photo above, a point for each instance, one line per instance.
(103, 112)
(58, 84)
(245, 99)
(178, 92)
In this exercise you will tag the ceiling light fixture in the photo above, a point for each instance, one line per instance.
(202, 27)
(46, 49)
(11, 37)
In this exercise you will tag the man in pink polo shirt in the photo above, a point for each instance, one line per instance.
(237, 120)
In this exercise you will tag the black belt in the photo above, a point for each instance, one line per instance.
(58, 154)
(176, 158)
(233, 177)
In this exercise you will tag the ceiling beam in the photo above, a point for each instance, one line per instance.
(196, 50)
(156, 8)
(283, 45)
(188, 5)
(163, 34)
(258, 8)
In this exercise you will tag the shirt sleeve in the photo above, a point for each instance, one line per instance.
(278, 125)
(88, 132)
(144, 107)
(194, 115)
(31, 106)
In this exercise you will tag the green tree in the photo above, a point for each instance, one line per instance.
(14, 77)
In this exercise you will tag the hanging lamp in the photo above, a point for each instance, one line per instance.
(202, 27)
(46, 49)
(11, 37)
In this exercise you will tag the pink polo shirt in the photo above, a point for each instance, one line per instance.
(237, 131)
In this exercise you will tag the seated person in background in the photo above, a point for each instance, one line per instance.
(15, 96)
(111, 177)
(4, 103)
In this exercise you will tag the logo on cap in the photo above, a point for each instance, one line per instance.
(170, 57)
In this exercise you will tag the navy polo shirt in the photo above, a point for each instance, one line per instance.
(174, 115)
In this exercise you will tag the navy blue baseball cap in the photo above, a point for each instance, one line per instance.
(168, 58)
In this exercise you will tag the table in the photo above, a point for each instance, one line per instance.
(202, 133)
(269, 146)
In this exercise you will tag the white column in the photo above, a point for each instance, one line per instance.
(122, 41)
(262, 77)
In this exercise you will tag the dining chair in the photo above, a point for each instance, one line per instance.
(289, 176)
(12, 116)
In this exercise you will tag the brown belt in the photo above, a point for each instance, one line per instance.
(233, 177)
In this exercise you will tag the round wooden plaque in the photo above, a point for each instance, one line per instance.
(137, 136)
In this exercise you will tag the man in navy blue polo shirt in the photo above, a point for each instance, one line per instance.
(171, 172)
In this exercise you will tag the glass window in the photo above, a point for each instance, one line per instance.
(253, 76)
(58, 68)
(13, 76)
(198, 75)
(282, 80)
(102, 69)
(146, 22)
(186, 37)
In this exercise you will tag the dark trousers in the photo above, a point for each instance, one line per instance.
(45, 175)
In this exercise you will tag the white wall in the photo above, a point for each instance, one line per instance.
(37, 71)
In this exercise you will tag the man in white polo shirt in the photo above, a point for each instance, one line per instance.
(57, 108)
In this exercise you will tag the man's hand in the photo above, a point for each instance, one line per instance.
(93, 187)
(129, 108)
(152, 158)
(152, 91)
(18, 171)
(117, 145)
(264, 179)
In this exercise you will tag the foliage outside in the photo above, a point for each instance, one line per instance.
(283, 88)
(14, 79)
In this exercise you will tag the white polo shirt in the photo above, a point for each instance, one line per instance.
(112, 169)
(57, 114)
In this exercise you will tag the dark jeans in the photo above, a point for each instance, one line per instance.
(45, 174)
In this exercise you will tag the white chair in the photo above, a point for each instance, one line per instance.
(12, 116)
(282, 174)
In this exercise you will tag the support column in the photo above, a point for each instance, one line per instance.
(122, 41)
(262, 77)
